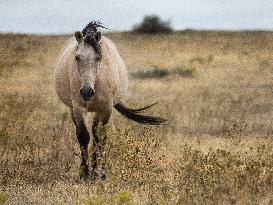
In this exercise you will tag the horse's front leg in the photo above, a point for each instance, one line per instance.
(83, 139)
(103, 157)
(95, 148)
(99, 141)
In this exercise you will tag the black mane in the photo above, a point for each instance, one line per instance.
(92, 27)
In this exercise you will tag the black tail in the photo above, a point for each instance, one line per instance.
(139, 109)
(134, 115)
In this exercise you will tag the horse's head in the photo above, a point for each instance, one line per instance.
(87, 57)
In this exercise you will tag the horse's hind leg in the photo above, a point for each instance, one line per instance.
(83, 139)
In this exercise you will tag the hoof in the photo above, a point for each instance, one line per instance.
(93, 176)
(84, 172)
(103, 177)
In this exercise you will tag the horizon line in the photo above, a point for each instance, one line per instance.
(129, 31)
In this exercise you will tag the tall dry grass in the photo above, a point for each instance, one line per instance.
(215, 149)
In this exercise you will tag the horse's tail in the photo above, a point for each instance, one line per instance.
(134, 115)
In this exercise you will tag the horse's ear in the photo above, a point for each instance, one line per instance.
(98, 36)
(78, 36)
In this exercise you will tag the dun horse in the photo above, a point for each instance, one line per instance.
(91, 77)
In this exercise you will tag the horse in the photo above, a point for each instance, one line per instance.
(91, 76)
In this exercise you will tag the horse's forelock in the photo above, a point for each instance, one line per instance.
(90, 39)
(92, 27)
(89, 34)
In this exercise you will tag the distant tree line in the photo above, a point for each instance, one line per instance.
(153, 24)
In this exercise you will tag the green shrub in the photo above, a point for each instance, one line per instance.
(3, 197)
(157, 72)
(96, 200)
(189, 71)
(4, 135)
(153, 24)
(121, 198)
(264, 64)
(124, 197)
(154, 72)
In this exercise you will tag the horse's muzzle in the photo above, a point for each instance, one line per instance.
(87, 93)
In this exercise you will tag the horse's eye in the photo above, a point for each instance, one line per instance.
(77, 58)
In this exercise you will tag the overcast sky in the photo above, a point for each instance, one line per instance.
(65, 16)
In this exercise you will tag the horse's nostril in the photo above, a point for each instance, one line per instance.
(87, 93)
(81, 91)
(92, 92)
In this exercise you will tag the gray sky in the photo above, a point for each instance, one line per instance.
(65, 16)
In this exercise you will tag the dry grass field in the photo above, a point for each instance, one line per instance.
(217, 147)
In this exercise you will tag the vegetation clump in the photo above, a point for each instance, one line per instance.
(153, 24)
(158, 72)
(3, 197)
(154, 72)
(186, 71)
(122, 198)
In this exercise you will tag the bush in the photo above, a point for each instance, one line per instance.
(158, 72)
(154, 72)
(153, 24)
(189, 71)
(3, 197)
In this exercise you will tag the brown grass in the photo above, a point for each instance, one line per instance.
(216, 148)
